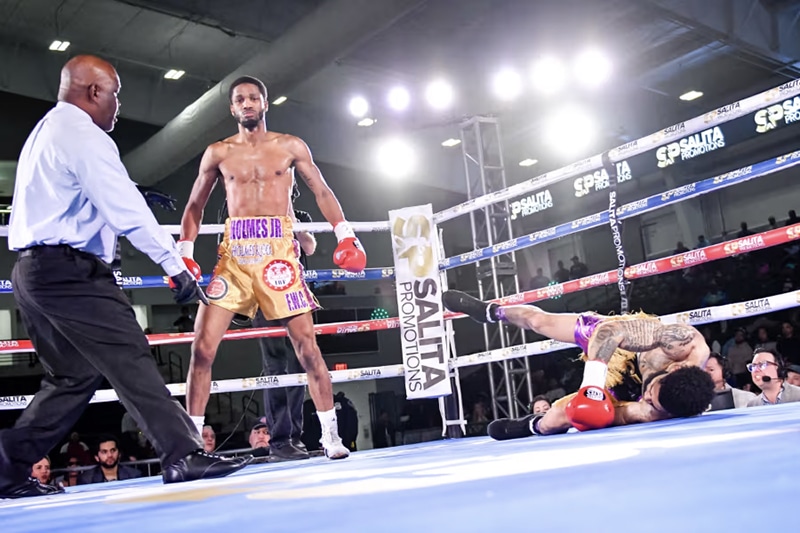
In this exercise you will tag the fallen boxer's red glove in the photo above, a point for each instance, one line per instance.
(591, 408)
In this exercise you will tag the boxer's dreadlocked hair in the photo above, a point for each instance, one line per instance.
(686, 392)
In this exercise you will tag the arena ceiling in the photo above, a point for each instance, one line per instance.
(320, 52)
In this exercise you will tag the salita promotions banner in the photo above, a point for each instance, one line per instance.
(419, 301)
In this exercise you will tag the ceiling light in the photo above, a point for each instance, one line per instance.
(439, 94)
(358, 106)
(398, 99)
(173, 74)
(549, 75)
(528, 162)
(279, 100)
(449, 143)
(570, 131)
(592, 68)
(366, 122)
(59, 46)
(691, 95)
(507, 84)
(396, 158)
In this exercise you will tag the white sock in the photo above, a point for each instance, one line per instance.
(199, 422)
(327, 419)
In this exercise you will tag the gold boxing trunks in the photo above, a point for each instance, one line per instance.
(258, 266)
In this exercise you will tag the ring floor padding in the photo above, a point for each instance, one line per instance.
(731, 470)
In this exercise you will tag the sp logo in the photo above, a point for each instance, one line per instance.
(412, 240)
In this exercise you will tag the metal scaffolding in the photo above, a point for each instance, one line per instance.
(497, 277)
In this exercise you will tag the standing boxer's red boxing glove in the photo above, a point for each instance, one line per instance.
(186, 249)
(349, 254)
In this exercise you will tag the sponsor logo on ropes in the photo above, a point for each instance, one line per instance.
(545, 346)
(513, 299)
(632, 206)
(310, 274)
(769, 118)
(503, 246)
(722, 112)
(642, 269)
(217, 288)
(793, 232)
(679, 191)
(9, 344)
(595, 280)
(743, 245)
(599, 179)
(732, 175)
(626, 148)
(543, 234)
(13, 401)
(694, 317)
(752, 307)
(261, 382)
(532, 204)
(214, 385)
(368, 373)
(470, 256)
(339, 273)
(5, 284)
(691, 147)
(551, 291)
(279, 275)
(787, 157)
(586, 221)
(779, 92)
(387, 272)
(583, 164)
(688, 258)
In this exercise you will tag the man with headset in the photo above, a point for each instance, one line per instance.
(769, 375)
(726, 397)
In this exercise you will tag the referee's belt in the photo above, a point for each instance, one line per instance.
(64, 249)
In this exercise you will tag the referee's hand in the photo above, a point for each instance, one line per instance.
(186, 289)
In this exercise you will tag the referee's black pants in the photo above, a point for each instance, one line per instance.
(83, 328)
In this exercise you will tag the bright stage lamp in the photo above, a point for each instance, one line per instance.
(507, 84)
(396, 158)
(358, 106)
(439, 94)
(549, 75)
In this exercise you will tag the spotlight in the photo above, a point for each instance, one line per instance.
(173, 74)
(691, 95)
(366, 122)
(528, 162)
(59, 46)
(358, 106)
(398, 99)
(549, 75)
(507, 84)
(592, 68)
(449, 143)
(439, 94)
(395, 158)
(569, 131)
(279, 100)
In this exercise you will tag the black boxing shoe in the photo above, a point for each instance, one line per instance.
(461, 302)
(28, 488)
(513, 428)
(202, 465)
(285, 451)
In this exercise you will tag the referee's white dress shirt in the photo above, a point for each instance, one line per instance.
(72, 188)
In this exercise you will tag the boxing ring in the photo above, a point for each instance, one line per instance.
(695, 466)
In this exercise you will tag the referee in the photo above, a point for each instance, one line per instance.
(72, 198)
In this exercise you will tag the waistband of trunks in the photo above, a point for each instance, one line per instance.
(246, 228)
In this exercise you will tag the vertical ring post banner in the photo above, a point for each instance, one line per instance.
(616, 233)
(419, 301)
